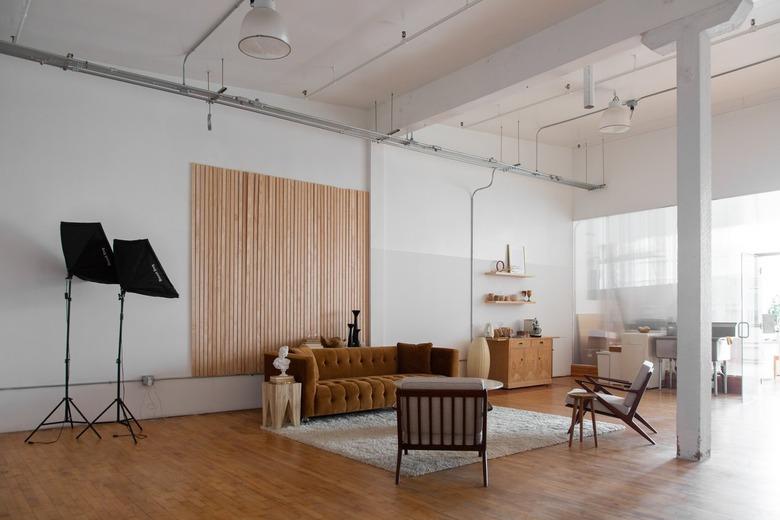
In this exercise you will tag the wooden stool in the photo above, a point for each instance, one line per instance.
(281, 401)
(581, 401)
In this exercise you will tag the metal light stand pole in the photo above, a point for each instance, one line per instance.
(121, 408)
(67, 400)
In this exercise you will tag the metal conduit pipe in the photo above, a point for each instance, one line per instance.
(471, 249)
(15, 37)
(384, 53)
(635, 102)
(242, 103)
(203, 39)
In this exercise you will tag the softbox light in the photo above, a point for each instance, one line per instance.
(87, 252)
(140, 271)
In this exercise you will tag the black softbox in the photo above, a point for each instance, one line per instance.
(140, 271)
(87, 252)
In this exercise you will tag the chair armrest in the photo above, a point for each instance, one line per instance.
(445, 361)
(597, 385)
(612, 379)
(304, 370)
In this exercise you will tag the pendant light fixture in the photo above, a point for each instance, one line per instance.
(616, 119)
(263, 32)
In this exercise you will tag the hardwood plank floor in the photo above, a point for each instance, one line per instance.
(224, 466)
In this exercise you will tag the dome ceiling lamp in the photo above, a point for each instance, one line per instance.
(616, 119)
(263, 32)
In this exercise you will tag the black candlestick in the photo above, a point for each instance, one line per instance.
(354, 330)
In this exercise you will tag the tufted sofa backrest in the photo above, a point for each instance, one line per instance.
(338, 363)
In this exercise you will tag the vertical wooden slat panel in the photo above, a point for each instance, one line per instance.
(272, 260)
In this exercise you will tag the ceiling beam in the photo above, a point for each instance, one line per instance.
(589, 36)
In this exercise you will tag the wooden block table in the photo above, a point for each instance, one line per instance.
(281, 402)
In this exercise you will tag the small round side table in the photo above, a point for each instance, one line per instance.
(582, 402)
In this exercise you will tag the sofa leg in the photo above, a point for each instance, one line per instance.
(398, 468)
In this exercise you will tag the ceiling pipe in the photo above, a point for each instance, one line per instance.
(633, 103)
(404, 39)
(256, 106)
(669, 57)
(15, 37)
(204, 37)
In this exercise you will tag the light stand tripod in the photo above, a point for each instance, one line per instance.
(121, 409)
(67, 401)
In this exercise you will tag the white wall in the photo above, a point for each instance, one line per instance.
(78, 148)
(420, 253)
(641, 169)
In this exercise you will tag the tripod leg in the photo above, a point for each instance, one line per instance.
(127, 421)
(85, 421)
(131, 416)
(68, 415)
(44, 421)
(90, 425)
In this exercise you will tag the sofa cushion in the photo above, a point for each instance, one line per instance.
(352, 394)
(332, 342)
(414, 359)
(338, 363)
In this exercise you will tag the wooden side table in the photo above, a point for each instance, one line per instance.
(582, 401)
(281, 402)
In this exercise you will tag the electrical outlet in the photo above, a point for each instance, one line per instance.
(147, 380)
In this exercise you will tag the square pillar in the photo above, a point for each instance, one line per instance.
(694, 260)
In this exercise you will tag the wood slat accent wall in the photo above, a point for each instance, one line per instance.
(273, 260)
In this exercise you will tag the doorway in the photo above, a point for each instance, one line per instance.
(758, 340)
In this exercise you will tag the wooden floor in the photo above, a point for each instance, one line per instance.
(224, 466)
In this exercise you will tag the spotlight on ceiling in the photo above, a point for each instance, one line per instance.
(616, 119)
(263, 32)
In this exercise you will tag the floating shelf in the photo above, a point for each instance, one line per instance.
(508, 275)
(508, 303)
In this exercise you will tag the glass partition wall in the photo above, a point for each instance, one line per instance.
(625, 270)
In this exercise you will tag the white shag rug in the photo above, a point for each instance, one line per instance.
(371, 437)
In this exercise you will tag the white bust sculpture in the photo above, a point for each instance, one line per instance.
(281, 363)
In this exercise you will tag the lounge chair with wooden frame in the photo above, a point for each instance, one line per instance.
(620, 407)
(437, 413)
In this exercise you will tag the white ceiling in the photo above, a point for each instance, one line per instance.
(636, 73)
(328, 38)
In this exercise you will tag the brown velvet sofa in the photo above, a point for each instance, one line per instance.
(340, 380)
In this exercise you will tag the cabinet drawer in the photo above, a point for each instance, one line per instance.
(519, 342)
(542, 342)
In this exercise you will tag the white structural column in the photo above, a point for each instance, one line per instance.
(694, 203)
(691, 35)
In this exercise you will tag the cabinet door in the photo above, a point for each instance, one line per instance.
(543, 354)
(518, 365)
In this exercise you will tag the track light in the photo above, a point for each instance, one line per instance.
(263, 32)
(616, 119)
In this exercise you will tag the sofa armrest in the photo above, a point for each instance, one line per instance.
(445, 361)
(304, 370)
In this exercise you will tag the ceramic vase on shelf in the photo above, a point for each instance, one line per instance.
(478, 359)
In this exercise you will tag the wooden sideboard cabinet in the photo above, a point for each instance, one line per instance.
(519, 362)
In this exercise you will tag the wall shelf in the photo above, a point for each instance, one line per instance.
(508, 275)
(508, 303)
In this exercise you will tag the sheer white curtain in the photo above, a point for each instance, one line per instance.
(626, 266)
